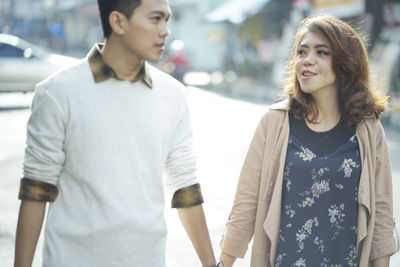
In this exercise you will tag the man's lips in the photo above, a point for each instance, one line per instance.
(160, 45)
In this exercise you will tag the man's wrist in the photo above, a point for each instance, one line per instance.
(219, 264)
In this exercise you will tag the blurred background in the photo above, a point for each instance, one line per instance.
(230, 54)
(230, 44)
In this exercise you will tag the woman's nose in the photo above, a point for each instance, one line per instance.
(309, 59)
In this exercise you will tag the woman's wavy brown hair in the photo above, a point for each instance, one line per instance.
(358, 99)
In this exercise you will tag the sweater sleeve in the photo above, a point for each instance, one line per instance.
(44, 154)
(181, 165)
(383, 241)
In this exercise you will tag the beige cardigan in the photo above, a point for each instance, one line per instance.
(257, 205)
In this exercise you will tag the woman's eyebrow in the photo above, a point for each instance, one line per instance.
(316, 46)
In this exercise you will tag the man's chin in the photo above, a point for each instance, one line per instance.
(154, 58)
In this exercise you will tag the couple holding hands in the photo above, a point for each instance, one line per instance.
(315, 188)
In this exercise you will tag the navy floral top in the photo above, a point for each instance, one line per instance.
(319, 206)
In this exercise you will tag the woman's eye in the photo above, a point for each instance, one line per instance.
(301, 52)
(323, 52)
(156, 18)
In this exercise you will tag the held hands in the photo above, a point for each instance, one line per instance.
(219, 264)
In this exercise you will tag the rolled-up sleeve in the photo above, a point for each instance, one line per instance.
(383, 241)
(44, 154)
(181, 165)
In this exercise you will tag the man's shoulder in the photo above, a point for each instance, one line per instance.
(77, 73)
(163, 79)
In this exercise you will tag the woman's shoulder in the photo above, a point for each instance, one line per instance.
(371, 129)
(276, 110)
(370, 124)
(280, 105)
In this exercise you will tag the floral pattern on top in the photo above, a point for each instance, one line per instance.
(305, 232)
(306, 154)
(347, 167)
(299, 263)
(336, 214)
(318, 187)
(319, 207)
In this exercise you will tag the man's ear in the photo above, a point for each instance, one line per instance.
(118, 22)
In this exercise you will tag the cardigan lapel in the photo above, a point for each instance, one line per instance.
(364, 208)
(272, 222)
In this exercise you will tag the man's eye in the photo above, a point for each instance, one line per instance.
(158, 18)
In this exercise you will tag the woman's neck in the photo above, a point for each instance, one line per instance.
(328, 113)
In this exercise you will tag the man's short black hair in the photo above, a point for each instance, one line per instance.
(126, 7)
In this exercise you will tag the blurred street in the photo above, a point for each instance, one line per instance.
(222, 127)
(235, 50)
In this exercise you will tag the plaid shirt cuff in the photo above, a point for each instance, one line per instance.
(37, 191)
(187, 197)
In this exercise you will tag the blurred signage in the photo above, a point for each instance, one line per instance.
(340, 8)
(391, 14)
(302, 4)
(332, 3)
(89, 9)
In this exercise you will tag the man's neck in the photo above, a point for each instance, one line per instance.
(125, 65)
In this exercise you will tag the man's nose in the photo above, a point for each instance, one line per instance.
(165, 31)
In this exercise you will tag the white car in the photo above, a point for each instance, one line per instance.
(23, 64)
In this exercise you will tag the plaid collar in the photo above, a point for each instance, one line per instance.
(101, 71)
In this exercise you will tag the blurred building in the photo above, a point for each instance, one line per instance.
(250, 38)
(259, 32)
(81, 22)
(385, 37)
(203, 43)
(58, 25)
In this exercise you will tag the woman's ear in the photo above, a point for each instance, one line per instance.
(117, 22)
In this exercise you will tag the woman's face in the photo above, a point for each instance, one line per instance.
(314, 68)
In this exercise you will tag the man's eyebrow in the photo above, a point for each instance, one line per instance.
(160, 13)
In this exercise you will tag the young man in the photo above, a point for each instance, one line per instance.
(99, 137)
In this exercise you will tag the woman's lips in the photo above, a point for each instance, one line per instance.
(307, 74)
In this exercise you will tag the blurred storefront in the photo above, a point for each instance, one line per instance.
(60, 25)
(259, 34)
(340, 8)
(385, 56)
(254, 30)
(81, 23)
(201, 43)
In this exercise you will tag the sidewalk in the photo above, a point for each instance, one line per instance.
(222, 129)
(248, 89)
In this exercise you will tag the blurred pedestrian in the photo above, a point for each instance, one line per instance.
(315, 188)
(99, 137)
(57, 36)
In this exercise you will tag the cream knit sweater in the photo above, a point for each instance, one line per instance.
(105, 145)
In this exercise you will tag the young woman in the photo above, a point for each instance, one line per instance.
(315, 188)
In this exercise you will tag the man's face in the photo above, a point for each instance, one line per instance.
(146, 31)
